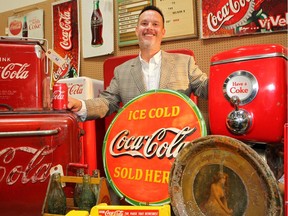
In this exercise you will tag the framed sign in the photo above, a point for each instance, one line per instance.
(127, 16)
(180, 18)
(236, 18)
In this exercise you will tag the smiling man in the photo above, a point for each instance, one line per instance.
(152, 69)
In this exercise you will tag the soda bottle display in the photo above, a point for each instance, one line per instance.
(87, 197)
(25, 28)
(96, 25)
(56, 197)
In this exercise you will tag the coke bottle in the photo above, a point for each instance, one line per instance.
(25, 28)
(95, 187)
(87, 197)
(96, 25)
(78, 188)
(56, 197)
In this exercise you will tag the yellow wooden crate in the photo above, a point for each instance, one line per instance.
(103, 196)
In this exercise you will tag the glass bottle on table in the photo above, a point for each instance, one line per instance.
(87, 197)
(56, 198)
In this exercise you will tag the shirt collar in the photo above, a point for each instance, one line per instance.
(156, 58)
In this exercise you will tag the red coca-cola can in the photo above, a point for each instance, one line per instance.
(60, 96)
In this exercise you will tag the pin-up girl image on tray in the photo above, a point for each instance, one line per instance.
(217, 201)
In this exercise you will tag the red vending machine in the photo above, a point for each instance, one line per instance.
(33, 138)
(248, 93)
(248, 102)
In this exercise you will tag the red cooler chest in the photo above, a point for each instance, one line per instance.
(24, 78)
(31, 144)
(248, 93)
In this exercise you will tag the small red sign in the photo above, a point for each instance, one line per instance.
(144, 139)
(128, 212)
(15, 27)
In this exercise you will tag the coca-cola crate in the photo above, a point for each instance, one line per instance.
(24, 77)
(70, 181)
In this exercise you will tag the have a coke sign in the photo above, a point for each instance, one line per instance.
(144, 139)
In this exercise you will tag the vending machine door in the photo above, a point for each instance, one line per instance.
(31, 143)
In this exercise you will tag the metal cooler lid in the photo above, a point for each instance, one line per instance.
(250, 52)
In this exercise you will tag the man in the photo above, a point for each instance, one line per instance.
(152, 69)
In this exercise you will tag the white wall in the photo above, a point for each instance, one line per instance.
(14, 4)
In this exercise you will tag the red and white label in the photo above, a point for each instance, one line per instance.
(242, 84)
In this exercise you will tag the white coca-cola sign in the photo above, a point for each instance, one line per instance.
(230, 15)
(15, 71)
(66, 28)
(36, 170)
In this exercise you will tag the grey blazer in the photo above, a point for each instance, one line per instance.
(178, 72)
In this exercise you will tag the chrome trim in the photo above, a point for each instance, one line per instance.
(254, 86)
(252, 57)
(29, 133)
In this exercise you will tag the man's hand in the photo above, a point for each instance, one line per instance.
(74, 104)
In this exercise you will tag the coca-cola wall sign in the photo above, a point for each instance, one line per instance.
(27, 25)
(97, 27)
(66, 38)
(144, 139)
(223, 18)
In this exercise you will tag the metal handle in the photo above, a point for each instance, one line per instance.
(235, 100)
(8, 107)
(29, 133)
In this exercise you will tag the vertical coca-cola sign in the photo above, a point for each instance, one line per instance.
(66, 37)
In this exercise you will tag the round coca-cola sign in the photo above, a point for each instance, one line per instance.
(143, 140)
(15, 27)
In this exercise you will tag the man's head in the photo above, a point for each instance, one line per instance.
(154, 8)
(150, 28)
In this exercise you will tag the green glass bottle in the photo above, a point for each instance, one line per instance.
(78, 188)
(56, 197)
(87, 197)
(95, 187)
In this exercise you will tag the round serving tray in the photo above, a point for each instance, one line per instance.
(214, 169)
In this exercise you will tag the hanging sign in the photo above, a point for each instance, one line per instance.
(66, 38)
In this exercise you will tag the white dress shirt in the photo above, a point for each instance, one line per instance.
(151, 71)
